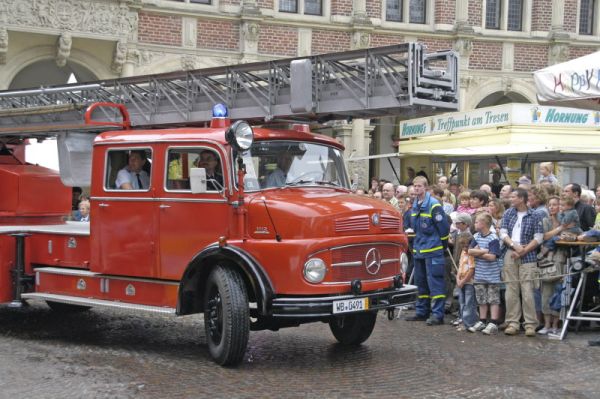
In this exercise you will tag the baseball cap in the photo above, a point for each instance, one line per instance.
(524, 180)
(461, 217)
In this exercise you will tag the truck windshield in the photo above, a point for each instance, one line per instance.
(272, 164)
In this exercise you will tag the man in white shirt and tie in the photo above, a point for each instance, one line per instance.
(278, 177)
(133, 176)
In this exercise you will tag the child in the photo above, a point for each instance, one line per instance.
(485, 247)
(447, 202)
(459, 241)
(567, 216)
(461, 236)
(478, 202)
(466, 292)
(464, 200)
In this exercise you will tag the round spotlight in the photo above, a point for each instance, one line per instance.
(240, 135)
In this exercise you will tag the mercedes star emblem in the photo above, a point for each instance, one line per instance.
(373, 261)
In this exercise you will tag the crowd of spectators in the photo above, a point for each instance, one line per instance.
(504, 266)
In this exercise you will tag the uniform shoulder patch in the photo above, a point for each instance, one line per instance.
(439, 217)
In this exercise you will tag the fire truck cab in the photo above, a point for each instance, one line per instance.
(255, 228)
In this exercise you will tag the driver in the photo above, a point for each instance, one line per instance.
(278, 177)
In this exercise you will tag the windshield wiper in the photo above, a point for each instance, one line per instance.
(327, 182)
(298, 182)
(320, 182)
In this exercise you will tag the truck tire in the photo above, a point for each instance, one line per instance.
(226, 316)
(67, 307)
(353, 329)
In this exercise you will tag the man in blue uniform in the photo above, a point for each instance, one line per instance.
(431, 227)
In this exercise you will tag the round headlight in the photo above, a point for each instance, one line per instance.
(314, 270)
(240, 135)
(404, 262)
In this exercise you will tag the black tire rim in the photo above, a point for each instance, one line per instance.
(215, 316)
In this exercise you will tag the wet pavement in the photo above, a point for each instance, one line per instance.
(115, 354)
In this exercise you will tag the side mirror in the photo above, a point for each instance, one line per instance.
(198, 180)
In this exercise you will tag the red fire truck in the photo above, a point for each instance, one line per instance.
(256, 228)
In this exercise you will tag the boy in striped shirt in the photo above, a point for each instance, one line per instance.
(485, 248)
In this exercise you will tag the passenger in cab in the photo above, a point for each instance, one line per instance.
(210, 162)
(133, 176)
(84, 211)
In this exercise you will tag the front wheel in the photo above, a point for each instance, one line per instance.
(353, 329)
(226, 316)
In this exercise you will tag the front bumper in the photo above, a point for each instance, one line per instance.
(322, 306)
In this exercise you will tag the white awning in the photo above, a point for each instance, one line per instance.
(501, 130)
(505, 141)
(575, 83)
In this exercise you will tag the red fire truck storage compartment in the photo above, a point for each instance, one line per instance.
(7, 263)
(67, 250)
(97, 286)
(32, 194)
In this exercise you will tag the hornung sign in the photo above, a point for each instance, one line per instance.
(501, 115)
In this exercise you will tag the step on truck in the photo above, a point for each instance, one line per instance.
(254, 227)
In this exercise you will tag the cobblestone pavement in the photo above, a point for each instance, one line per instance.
(104, 353)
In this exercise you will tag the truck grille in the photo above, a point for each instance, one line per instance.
(353, 223)
(390, 222)
(350, 262)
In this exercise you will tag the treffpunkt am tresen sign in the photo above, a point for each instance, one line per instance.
(501, 115)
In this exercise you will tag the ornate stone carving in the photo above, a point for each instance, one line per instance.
(63, 49)
(463, 46)
(119, 57)
(251, 31)
(3, 45)
(145, 57)
(361, 39)
(468, 81)
(86, 16)
(189, 62)
(506, 84)
(557, 53)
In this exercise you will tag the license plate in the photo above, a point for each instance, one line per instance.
(350, 305)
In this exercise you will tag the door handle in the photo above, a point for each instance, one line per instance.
(163, 206)
(103, 205)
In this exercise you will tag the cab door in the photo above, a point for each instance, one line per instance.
(189, 222)
(125, 220)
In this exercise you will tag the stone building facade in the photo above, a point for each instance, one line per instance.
(500, 42)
